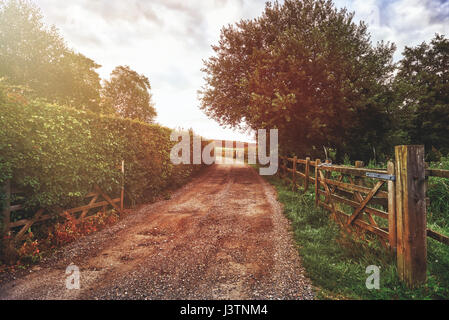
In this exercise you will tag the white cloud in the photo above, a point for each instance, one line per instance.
(164, 39)
(167, 39)
(404, 22)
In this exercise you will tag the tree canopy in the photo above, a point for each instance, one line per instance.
(35, 56)
(127, 93)
(305, 68)
(422, 86)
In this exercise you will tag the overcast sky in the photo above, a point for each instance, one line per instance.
(167, 40)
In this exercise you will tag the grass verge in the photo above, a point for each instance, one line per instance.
(336, 263)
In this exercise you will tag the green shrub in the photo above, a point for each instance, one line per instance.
(57, 154)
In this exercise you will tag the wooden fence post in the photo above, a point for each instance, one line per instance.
(307, 173)
(411, 214)
(358, 180)
(392, 239)
(7, 208)
(294, 173)
(317, 182)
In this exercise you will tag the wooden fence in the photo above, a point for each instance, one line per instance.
(98, 199)
(390, 204)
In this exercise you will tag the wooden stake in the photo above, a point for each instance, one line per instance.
(411, 215)
(317, 182)
(357, 180)
(294, 174)
(307, 173)
(391, 209)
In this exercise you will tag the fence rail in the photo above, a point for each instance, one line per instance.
(389, 203)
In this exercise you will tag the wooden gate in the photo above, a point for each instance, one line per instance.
(356, 201)
(98, 198)
(390, 204)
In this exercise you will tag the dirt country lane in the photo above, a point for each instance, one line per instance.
(222, 236)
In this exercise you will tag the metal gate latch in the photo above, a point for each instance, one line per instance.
(382, 176)
(325, 165)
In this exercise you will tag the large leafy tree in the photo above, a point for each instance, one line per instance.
(305, 68)
(35, 55)
(128, 94)
(422, 84)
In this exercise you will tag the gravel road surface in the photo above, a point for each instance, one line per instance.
(222, 236)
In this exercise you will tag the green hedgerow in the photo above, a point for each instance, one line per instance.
(57, 154)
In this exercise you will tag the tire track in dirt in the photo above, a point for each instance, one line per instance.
(223, 236)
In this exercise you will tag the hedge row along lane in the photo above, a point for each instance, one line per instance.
(57, 154)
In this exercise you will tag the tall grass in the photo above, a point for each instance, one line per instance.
(336, 262)
(438, 192)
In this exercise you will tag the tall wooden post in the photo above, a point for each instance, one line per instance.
(359, 164)
(411, 214)
(317, 182)
(122, 193)
(392, 228)
(294, 173)
(7, 206)
(358, 180)
(307, 173)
